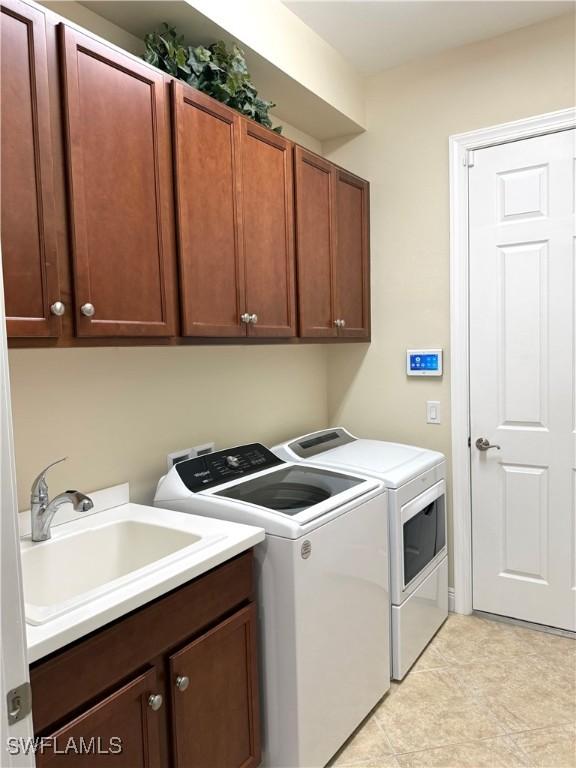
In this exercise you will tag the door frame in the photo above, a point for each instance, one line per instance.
(461, 148)
(14, 662)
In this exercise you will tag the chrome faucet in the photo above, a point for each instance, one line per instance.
(42, 510)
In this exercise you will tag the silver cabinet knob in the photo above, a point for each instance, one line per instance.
(182, 682)
(88, 310)
(58, 308)
(245, 318)
(339, 323)
(342, 323)
(253, 319)
(483, 444)
(155, 701)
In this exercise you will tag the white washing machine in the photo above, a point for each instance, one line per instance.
(323, 590)
(415, 479)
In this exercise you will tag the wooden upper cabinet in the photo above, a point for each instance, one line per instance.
(352, 279)
(332, 231)
(268, 231)
(216, 717)
(120, 190)
(28, 225)
(122, 730)
(207, 148)
(315, 243)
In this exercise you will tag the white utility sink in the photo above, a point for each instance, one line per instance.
(98, 567)
(70, 570)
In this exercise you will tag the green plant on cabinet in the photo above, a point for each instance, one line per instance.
(218, 70)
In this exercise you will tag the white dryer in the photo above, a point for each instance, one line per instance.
(323, 590)
(415, 479)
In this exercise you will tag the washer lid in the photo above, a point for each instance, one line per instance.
(261, 489)
(393, 463)
(295, 488)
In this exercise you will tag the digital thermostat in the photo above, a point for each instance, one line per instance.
(424, 362)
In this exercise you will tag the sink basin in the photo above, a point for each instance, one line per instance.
(72, 569)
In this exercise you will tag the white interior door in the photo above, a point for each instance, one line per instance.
(13, 661)
(522, 379)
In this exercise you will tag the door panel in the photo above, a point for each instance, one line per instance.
(522, 363)
(216, 718)
(29, 254)
(120, 187)
(267, 194)
(209, 222)
(352, 262)
(124, 715)
(315, 243)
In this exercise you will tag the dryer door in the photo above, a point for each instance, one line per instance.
(422, 538)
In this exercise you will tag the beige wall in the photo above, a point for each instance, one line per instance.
(96, 24)
(411, 112)
(117, 412)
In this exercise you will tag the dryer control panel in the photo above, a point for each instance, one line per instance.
(222, 466)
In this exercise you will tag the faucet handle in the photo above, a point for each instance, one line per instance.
(40, 486)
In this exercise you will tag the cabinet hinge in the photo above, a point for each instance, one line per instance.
(469, 441)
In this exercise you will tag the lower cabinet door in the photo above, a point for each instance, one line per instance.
(122, 731)
(215, 697)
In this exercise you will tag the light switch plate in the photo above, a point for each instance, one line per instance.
(433, 415)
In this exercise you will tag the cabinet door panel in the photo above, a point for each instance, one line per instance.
(207, 193)
(267, 196)
(125, 716)
(28, 226)
(120, 186)
(352, 259)
(216, 719)
(314, 244)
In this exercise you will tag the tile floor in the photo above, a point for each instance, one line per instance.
(484, 694)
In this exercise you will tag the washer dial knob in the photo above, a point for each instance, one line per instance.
(233, 462)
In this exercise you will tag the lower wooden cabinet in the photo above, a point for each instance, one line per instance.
(172, 684)
(215, 717)
(122, 730)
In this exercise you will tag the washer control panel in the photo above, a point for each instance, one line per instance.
(222, 466)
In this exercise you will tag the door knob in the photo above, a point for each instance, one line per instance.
(245, 317)
(483, 444)
(182, 682)
(155, 701)
(88, 310)
(58, 308)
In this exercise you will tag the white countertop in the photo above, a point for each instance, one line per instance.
(232, 539)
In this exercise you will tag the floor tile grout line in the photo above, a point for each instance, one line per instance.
(466, 743)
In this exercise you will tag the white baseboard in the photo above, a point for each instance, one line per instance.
(451, 599)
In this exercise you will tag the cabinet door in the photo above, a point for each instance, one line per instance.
(206, 136)
(216, 718)
(27, 220)
(120, 187)
(352, 294)
(315, 244)
(268, 218)
(122, 731)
